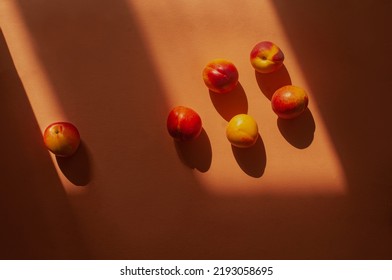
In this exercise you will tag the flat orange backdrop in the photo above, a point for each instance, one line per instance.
(318, 187)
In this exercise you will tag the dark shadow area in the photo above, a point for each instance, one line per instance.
(269, 83)
(299, 131)
(77, 167)
(230, 104)
(353, 96)
(196, 153)
(302, 227)
(251, 160)
(35, 216)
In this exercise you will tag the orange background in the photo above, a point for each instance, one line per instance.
(318, 187)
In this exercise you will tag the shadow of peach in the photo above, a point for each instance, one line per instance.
(230, 104)
(269, 83)
(299, 132)
(77, 168)
(252, 160)
(197, 153)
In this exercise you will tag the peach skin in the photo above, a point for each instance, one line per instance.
(183, 123)
(289, 102)
(62, 139)
(266, 57)
(220, 75)
(242, 131)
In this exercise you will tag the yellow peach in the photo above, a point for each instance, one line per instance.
(242, 131)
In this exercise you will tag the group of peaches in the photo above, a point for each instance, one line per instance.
(184, 124)
(221, 77)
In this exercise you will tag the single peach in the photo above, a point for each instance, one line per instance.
(184, 123)
(62, 138)
(289, 102)
(220, 75)
(242, 131)
(266, 57)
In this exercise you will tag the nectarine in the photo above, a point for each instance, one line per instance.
(220, 75)
(242, 131)
(266, 57)
(289, 101)
(62, 138)
(184, 123)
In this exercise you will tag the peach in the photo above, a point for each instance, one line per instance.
(220, 75)
(184, 123)
(266, 57)
(288, 102)
(242, 131)
(62, 138)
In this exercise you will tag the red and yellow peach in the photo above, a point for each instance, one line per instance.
(183, 123)
(266, 57)
(62, 138)
(220, 76)
(289, 102)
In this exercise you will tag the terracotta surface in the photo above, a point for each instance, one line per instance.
(318, 187)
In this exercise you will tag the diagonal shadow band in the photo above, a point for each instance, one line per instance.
(37, 221)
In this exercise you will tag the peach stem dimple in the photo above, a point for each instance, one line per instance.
(58, 129)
